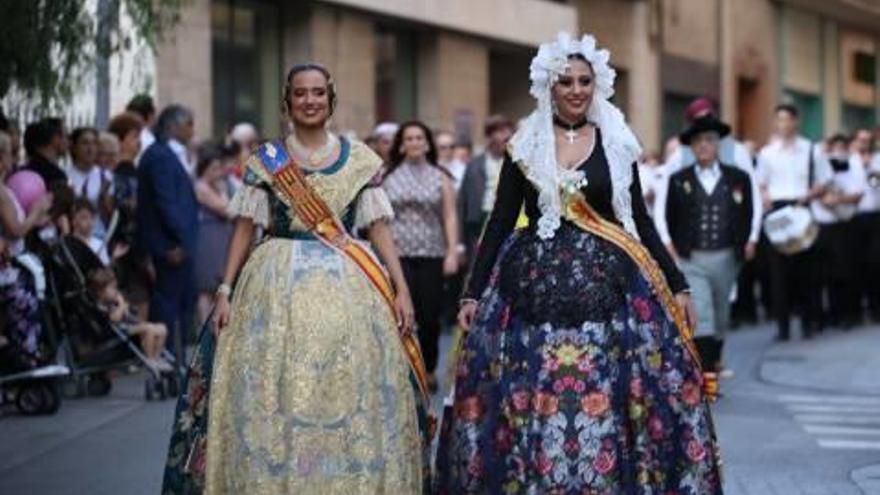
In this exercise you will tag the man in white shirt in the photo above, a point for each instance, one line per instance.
(867, 227)
(706, 220)
(834, 212)
(792, 171)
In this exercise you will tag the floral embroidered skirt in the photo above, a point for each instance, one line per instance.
(574, 380)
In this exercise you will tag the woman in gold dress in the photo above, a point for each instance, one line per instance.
(317, 385)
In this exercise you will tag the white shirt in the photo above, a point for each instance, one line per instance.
(852, 181)
(456, 168)
(783, 169)
(147, 138)
(182, 154)
(493, 171)
(871, 200)
(88, 184)
(99, 247)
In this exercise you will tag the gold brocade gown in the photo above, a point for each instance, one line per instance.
(311, 391)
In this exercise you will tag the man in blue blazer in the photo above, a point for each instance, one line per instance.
(167, 217)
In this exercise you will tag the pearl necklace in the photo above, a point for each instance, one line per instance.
(314, 158)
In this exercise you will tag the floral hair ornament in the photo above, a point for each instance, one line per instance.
(533, 145)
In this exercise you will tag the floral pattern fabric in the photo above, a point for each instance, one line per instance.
(573, 380)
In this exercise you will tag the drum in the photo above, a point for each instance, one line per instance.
(791, 229)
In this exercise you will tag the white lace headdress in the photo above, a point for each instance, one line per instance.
(533, 145)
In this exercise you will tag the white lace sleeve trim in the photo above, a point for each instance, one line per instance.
(251, 202)
(372, 206)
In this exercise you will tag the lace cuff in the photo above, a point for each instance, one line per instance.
(250, 202)
(372, 206)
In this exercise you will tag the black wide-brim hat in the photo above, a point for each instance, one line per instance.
(708, 123)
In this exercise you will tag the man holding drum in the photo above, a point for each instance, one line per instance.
(791, 173)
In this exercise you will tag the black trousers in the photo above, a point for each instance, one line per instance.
(866, 231)
(710, 349)
(795, 283)
(424, 276)
(837, 254)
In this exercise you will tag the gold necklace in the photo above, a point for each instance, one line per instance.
(314, 158)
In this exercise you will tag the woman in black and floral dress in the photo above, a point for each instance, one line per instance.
(577, 375)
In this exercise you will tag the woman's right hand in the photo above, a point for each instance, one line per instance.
(221, 313)
(466, 314)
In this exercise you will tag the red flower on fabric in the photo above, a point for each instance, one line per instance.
(545, 465)
(655, 426)
(520, 400)
(546, 404)
(475, 466)
(595, 404)
(604, 462)
(690, 393)
(635, 388)
(695, 451)
(643, 308)
(503, 439)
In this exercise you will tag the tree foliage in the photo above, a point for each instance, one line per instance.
(45, 44)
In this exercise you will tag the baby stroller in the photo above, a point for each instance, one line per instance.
(33, 390)
(93, 345)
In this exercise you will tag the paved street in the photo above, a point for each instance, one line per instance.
(798, 418)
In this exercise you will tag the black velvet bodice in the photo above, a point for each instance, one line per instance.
(515, 191)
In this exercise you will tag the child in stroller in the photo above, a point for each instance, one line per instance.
(104, 289)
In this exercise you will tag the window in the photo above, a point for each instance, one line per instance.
(865, 67)
(246, 67)
(811, 115)
(396, 58)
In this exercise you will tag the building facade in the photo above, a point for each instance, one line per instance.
(820, 55)
(450, 63)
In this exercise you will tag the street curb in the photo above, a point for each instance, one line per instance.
(867, 479)
(767, 380)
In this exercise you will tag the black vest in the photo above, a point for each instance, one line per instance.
(698, 220)
(713, 214)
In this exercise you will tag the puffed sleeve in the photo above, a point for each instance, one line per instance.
(250, 202)
(252, 198)
(372, 206)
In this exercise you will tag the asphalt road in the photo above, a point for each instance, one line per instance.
(797, 418)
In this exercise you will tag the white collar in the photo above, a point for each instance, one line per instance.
(713, 170)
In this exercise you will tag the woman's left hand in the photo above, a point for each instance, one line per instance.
(403, 310)
(687, 307)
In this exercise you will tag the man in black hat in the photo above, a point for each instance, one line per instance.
(707, 215)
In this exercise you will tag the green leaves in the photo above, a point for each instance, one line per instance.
(46, 44)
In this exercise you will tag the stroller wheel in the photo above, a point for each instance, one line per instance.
(99, 385)
(172, 387)
(36, 398)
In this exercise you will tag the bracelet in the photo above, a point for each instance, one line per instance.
(224, 290)
(464, 302)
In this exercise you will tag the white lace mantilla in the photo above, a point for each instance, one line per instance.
(533, 145)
